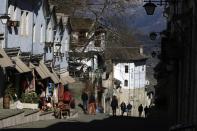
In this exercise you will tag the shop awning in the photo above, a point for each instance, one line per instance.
(32, 66)
(20, 66)
(54, 77)
(42, 74)
(42, 70)
(46, 70)
(66, 79)
(4, 59)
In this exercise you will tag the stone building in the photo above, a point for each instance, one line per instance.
(176, 73)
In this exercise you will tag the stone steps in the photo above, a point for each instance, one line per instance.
(12, 117)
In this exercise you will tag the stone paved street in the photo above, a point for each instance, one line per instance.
(100, 121)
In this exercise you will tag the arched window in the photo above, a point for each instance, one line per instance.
(125, 82)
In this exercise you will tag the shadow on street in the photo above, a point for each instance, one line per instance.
(111, 123)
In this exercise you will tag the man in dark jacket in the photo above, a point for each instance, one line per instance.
(84, 98)
(146, 111)
(129, 107)
(114, 105)
(123, 107)
(140, 110)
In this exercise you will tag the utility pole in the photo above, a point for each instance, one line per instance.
(134, 91)
(6, 28)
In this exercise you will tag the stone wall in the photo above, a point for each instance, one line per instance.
(137, 96)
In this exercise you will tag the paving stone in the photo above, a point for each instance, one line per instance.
(5, 113)
(30, 111)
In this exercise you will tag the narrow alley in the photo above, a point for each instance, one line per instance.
(98, 64)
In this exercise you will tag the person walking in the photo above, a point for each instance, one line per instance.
(114, 105)
(140, 109)
(146, 111)
(129, 107)
(84, 98)
(67, 100)
(92, 104)
(123, 107)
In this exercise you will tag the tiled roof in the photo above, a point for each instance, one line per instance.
(63, 6)
(81, 24)
(124, 54)
(89, 54)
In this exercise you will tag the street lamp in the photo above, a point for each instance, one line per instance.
(153, 35)
(4, 18)
(150, 8)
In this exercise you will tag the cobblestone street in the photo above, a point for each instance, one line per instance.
(100, 121)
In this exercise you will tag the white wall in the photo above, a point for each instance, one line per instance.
(50, 36)
(22, 35)
(40, 32)
(2, 27)
(136, 75)
(65, 48)
(57, 40)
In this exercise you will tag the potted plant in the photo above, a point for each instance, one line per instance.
(8, 95)
(30, 100)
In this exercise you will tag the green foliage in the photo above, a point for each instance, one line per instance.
(9, 90)
(29, 97)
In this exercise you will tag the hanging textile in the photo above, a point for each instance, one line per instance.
(50, 88)
(24, 85)
(47, 91)
(55, 95)
(31, 78)
(60, 92)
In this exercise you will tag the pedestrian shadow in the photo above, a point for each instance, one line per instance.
(111, 123)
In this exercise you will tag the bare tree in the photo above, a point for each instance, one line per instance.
(100, 11)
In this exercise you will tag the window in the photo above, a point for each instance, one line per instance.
(50, 34)
(126, 69)
(27, 23)
(142, 68)
(34, 33)
(125, 82)
(23, 23)
(46, 49)
(81, 37)
(15, 5)
(41, 33)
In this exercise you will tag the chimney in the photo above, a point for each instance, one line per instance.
(141, 50)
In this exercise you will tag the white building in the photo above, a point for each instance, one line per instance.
(30, 39)
(128, 75)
